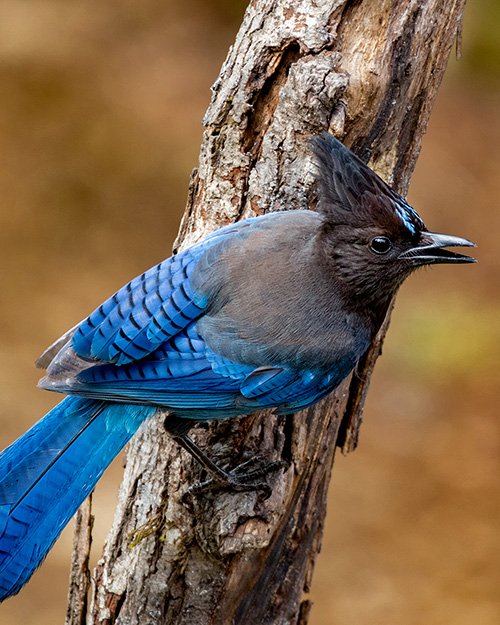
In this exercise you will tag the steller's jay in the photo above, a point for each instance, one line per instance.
(270, 312)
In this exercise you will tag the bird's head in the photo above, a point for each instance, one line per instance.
(373, 238)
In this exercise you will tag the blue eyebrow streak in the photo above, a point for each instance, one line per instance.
(408, 216)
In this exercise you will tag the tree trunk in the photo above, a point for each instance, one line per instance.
(369, 72)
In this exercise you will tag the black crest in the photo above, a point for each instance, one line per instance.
(350, 192)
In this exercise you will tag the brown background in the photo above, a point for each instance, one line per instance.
(100, 125)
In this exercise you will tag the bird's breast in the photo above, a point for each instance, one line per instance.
(271, 303)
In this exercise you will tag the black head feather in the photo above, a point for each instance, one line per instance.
(370, 239)
(351, 193)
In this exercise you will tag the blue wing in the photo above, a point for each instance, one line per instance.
(144, 345)
(184, 375)
(150, 309)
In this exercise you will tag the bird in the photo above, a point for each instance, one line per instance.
(269, 312)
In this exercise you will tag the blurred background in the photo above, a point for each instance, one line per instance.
(100, 126)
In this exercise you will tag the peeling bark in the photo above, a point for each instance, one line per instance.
(369, 72)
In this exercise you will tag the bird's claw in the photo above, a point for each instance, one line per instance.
(238, 480)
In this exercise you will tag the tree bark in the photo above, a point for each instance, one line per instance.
(369, 72)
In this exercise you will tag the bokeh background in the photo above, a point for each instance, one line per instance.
(100, 126)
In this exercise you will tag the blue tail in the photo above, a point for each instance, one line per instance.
(47, 473)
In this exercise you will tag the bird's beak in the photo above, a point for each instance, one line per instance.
(430, 250)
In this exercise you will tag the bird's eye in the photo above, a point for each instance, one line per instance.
(380, 245)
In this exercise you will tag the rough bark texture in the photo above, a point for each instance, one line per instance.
(369, 72)
(79, 580)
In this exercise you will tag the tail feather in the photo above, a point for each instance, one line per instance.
(48, 472)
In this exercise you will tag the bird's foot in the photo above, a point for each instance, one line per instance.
(239, 479)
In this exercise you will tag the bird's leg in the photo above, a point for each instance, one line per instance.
(236, 480)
